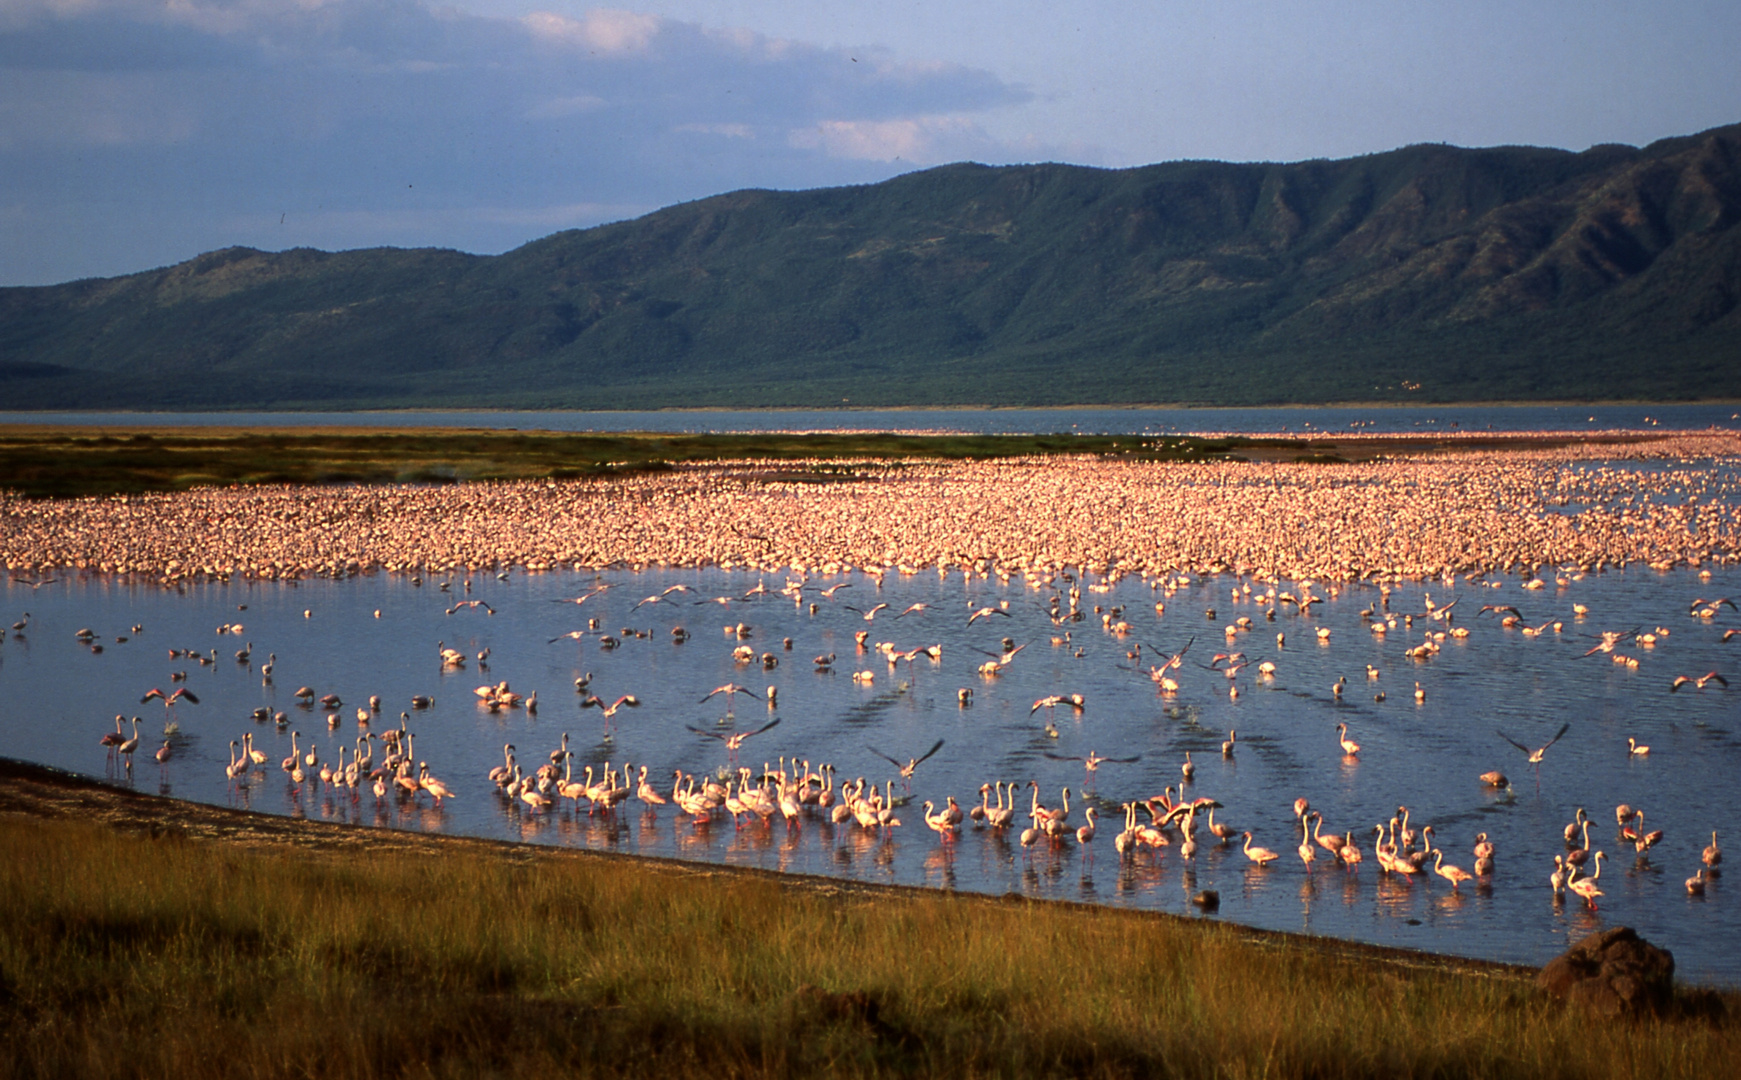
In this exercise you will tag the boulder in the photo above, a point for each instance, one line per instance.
(1615, 973)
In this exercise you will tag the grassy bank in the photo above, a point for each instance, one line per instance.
(56, 462)
(69, 462)
(127, 955)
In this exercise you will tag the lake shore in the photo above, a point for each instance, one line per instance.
(146, 932)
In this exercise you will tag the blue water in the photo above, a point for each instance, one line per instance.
(379, 635)
(1389, 419)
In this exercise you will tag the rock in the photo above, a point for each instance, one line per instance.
(1614, 973)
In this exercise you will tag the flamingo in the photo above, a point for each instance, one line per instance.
(1085, 834)
(734, 742)
(1536, 755)
(1576, 856)
(647, 793)
(1698, 683)
(939, 822)
(1385, 861)
(610, 710)
(431, 784)
(238, 765)
(501, 774)
(536, 799)
(1000, 816)
(126, 748)
(1586, 887)
(1260, 855)
(115, 738)
(1572, 829)
(1221, 830)
(912, 764)
(1332, 843)
(1349, 746)
(1456, 875)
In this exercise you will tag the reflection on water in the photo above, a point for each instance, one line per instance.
(57, 697)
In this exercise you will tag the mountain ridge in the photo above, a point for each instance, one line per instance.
(1426, 273)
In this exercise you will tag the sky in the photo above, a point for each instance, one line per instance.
(139, 133)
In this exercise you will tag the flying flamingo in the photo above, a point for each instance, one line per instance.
(1536, 755)
(735, 741)
(170, 699)
(912, 764)
(592, 701)
(731, 690)
(1698, 683)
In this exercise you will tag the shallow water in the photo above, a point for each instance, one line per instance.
(1086, 421)
(57, 698)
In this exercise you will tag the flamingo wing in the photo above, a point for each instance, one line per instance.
(1513, 741)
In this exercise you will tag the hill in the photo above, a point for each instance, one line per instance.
(1427, 273)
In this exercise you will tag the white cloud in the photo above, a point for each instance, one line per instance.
(599, 30)
(922, 140)
(557, 108)
(389, 121)
(730, 131)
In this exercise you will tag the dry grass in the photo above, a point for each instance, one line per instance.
(122, 955)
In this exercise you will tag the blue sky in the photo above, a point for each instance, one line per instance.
(137, 133)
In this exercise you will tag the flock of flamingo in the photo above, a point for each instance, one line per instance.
(1287, 539)
(794, 790)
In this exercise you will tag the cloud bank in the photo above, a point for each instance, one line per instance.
(135, 133)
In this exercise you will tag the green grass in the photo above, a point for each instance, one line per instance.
(126, 956)
(50, 462)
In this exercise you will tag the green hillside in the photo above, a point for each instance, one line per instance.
(1429, 273)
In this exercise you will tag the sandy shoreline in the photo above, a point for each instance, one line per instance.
(1416, 510)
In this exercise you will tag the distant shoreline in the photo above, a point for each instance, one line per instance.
(849, 408)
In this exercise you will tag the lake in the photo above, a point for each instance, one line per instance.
(1363, 419)
(380, 635)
